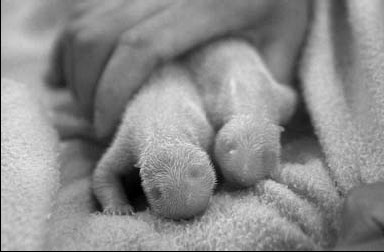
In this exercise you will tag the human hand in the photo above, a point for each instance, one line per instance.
(110, 48)
(363, 219)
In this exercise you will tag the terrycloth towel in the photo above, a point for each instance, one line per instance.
(29, 169)
(298, 211)
(343, 82)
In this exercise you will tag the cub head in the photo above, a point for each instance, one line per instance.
(178, 180)
(247, 150)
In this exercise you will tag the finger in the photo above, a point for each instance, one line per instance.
(158, 39)
(88, 56)
(92, 45)
(84, 7)
(55, 74)
(83, 53)
(363, 215)
(282, 49)
(280, 37)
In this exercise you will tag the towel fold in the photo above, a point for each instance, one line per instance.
(343, 83)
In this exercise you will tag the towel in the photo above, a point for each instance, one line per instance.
(343, 84)
(299, 210)
(29, 169)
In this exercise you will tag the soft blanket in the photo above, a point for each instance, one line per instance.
(342, 81)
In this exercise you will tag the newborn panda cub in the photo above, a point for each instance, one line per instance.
(169, 126)
(165, 133)
(246, 105)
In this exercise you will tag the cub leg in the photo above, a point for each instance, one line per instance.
(107, 180)
(246, 106)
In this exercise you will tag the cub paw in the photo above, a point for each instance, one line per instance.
(118, 210)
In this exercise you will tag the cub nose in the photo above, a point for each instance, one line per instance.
(194, 200)
(184, 201)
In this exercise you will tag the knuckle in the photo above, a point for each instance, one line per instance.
(80, 34)
(143, 45)
(135, 40)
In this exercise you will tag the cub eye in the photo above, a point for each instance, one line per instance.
(230, 146)
(155, 193)
(194, 173)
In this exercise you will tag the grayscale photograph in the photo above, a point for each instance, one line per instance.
(190, 125)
